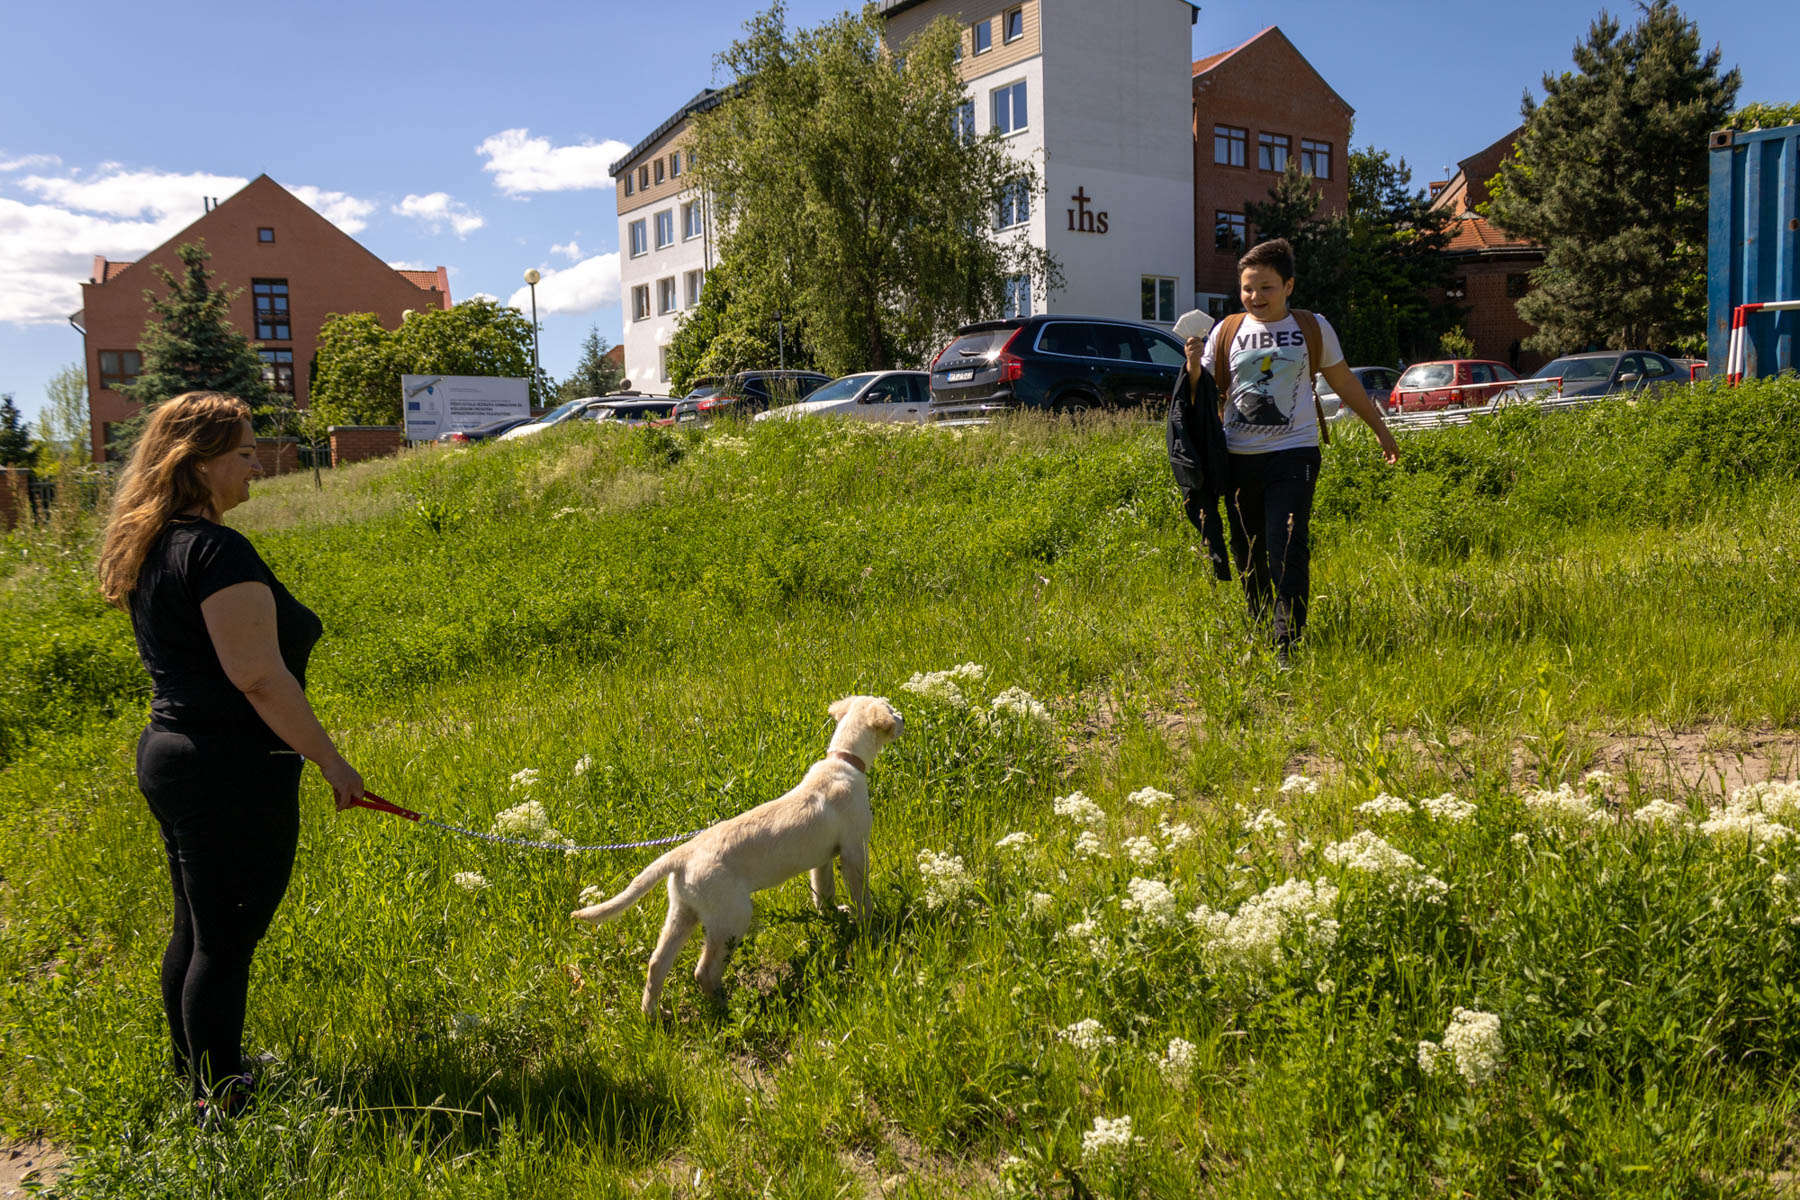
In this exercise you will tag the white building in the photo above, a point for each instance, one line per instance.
(1098, 96)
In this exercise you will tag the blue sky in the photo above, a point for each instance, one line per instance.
(476, 135)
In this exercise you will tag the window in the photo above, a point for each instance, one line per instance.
(675, 165)
(1315, 158)
(1229, 231)
(964, 121)
(119, 367)
(690, 220)
(640, 239)
(1216, 305)
(662, 355)
(644, 176)
(1015, 205)
(1517, 286)
(659, 170)
(278, 370)
(1158, 348)
(1480, 373)
(1272, 151)
(264, 233)
(665, 227)
(1010, 114)
(640, 302)
(1459, 287)
(1012, 25)
(1230, 144)
(271, 296)
(1158, 292)
(983, 34)
(1018, 297)
(690, 160)
(665, 295)
(956, 54)
(630, 183)
(695, 280)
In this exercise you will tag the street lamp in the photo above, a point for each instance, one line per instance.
(531, 281)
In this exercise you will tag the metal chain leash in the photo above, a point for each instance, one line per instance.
(371, 800)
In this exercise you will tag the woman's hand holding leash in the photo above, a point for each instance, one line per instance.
(346, 783)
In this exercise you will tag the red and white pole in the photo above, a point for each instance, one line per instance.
(1737, 353)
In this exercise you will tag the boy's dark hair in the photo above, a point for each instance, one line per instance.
(1275, 253)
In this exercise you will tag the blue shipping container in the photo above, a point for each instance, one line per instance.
(1753, 246)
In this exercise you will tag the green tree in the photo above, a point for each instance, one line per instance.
(1321, 243)
(1610, 176)
(356, 377)
(845, 196)
(189, 344)
(16, 449)
(1397, 264)
(1763, 116)
(594, 375)
(732, 330)
(63, 420)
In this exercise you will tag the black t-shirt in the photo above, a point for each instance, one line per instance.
(189, 561)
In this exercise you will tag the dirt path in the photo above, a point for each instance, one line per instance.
(22, 1163)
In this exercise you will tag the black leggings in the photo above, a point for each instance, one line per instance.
(1269, 507)
(230, 818)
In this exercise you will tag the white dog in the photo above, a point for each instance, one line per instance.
(711, 876)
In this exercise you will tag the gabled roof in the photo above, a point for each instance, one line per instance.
(1212, 62)
(893, 8)
(707, 98)
(106, 270)
(1473, 233)
(428, 280)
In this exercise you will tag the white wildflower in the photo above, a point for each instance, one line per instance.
(1597, 781)
(1400, 872)
(1565, 804)
(1661, 812)
(1762, 812)
(583, 763)
(1016, 841)
(1152, 900)
(1448, 809)
(469, 881)
(593, 893)
(1287, 925)
(1021, 703)
(1267, 822)
(1303, 846)
(726, 441)
(1471, 1046)
(1149, 797)
(528, 821)
(1177, 1062)
(463, 1024)
(1088, 845)
(1778, 880)
(1176, 836)
(523, 780)
(1299, 785)
(937, 685)
(1141, 850)
(1088, 931)
(1385, 805)
(1079, 809)
(1087, 1035)
(1042, 904)
(1108, 1138)
(1521, 840)
(945, 879)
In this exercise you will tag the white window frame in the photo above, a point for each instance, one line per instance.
(986, 24)
(1017, 302)
(693, 284)
(1006, 21)
(638, 237)
(691, 227)
(663, 363)
(665, 227)
(661, 170)
(963, 123)
(668, 299)
(1015, 202)
(1161, 315)
(630, 183)
(675, 165)
(640, 302)
(1013, 91)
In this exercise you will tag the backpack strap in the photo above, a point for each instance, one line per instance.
(1227, 330)
(1315, 349)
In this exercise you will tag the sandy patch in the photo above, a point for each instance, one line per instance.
(27, 1163)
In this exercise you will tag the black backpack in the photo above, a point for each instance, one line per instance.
(1196, 442)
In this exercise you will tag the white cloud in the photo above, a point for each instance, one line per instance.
(347, 212)
(522, 163)
(569, 250)
(438, 209)
(116, 192)
(482, 296)
(29, 160)
(589, 284)
(409, 265)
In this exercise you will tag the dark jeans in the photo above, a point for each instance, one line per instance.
(230, 818)
(1269, 506)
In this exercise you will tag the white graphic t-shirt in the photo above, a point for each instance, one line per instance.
(1271, 402)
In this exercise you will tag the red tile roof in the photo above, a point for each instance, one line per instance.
(110, 271)
(422, 279)
(1473, 233)
(1203, 65)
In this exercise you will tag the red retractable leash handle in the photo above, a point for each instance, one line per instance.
(371, 800)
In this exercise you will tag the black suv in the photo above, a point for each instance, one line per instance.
(745, 394)
(1054, 363)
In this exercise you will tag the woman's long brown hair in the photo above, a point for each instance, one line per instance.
(163, 478)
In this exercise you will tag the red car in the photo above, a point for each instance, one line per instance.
(1451, 383)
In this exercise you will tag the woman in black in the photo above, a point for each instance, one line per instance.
(226, 647)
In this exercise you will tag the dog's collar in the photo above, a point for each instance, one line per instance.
(847, 757)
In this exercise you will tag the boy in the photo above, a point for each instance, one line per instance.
(1272, 432)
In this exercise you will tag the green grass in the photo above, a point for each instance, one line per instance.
(1490, 618)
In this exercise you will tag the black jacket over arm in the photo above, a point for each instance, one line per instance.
(1197, 458)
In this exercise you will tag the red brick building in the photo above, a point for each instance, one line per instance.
(1493, 267)
(294, 268)
(1255, 107)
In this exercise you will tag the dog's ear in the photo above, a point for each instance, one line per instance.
(838, 708)
(882, 718)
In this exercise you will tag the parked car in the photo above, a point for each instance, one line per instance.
(481, 433)
(556, 416)
(865, 396)
(1377, 381)
(1611, 371)
(1053, 363)
(746, 394)
(618, 410)
(1452, 383)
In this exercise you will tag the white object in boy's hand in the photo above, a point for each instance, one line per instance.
(1193, 323)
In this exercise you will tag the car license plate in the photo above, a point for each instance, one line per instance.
(959, 376)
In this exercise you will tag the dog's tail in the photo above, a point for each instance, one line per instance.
(634, 891)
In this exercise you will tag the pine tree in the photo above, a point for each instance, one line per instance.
(1610, 176)
(1321, 244)
(594, 374)
(1396, 264)
(16, 449)
(189, 345)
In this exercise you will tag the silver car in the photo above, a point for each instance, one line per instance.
(900, 396)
